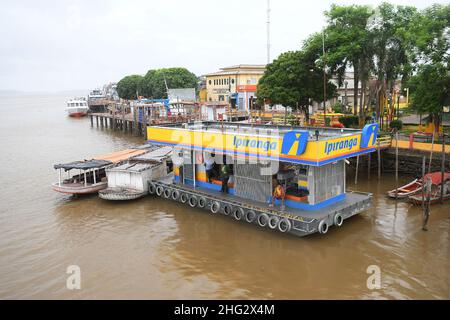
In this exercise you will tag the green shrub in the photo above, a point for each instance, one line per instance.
(349, 121)
(338, 107)
(396, 124)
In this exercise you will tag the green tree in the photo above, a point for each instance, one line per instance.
(392, 32)
(153, 84)
(128, 87)
(430, 85)
(430, 89)
(348, 43)
(293, 79)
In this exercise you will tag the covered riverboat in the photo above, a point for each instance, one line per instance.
(235, 170)
(89, 176)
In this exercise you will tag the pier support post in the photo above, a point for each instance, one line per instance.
(122, 107)
(396, 165)
(423, 182)
(92, 120)
(379, 160)
(145, 124)
(135, 120)
(96, 119)
(101, 122)
(113, 118)
(357, 168)
(443, 167)
(426, 212)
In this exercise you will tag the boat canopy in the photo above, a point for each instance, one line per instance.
(102, 160)
(83, 165)
(436, 177)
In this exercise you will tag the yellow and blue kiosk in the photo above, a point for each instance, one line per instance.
(307, 162)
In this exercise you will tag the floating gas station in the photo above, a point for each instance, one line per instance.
(309, 162)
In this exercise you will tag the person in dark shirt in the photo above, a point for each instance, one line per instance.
(226, 170)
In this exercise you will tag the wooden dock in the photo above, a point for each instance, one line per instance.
(135, 119)
(119, 122)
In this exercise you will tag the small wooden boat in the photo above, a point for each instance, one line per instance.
(91, 174)
(436, 185)
(407, 190)
(435, 197)
(129, 180)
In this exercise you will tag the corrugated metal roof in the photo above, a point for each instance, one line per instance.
(132, 167)
(119, 156)
(155, 155)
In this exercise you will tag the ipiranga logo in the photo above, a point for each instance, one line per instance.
(254, 143)
(369, 135)
(340, 145)
(294, 143)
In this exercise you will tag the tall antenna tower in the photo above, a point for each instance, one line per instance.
(268, 31)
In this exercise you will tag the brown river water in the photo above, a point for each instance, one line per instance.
(157, 249)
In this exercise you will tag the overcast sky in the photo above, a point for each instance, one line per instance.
(77, 44)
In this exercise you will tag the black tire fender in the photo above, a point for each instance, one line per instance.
(263, 220)
(184, 197)
(159, 190)
(284, 226)
(167, 193)
(238, 213)
(151, 188)
(338, 219)
(227, 209)
(175, 194)
(202, 202)
(323, 227)
(250, 216)
(193, 201)
(215, 207)
(273, 222)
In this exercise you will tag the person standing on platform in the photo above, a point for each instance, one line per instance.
(226, 170)
(209, 166)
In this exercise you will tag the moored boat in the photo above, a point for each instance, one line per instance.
(407, 190)
(129, 180)
(91, 174)
(435, 197)
(435, 194)
(77, 107)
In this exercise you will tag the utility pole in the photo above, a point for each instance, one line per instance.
(345, 95)
(407, 97)
(268, 31)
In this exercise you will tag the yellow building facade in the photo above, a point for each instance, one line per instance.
(236, 83)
